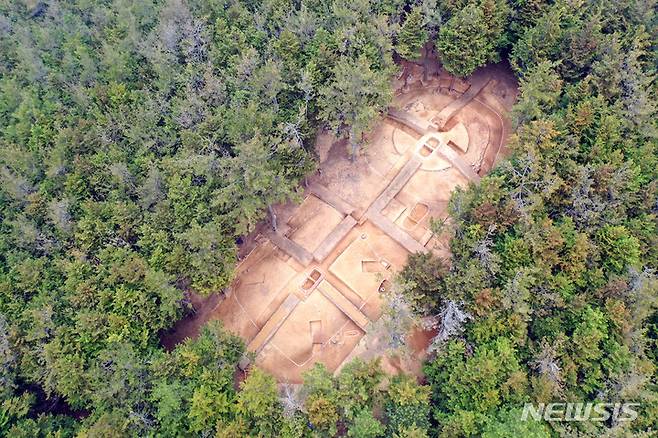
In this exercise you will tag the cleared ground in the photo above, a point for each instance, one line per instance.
(310, 292)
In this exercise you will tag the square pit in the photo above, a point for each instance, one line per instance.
(315, 331)
(370, 258)
(258, 291)
(313, 222)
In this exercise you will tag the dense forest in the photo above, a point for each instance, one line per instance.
(141, 140)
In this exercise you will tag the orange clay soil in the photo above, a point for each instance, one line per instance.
(312, 292)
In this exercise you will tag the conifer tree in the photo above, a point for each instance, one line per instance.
(413, 35)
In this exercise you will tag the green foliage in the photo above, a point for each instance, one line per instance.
(540, 90)
(412, 35)
(322, 414)
(472, 36)
(473, 388)
(541, 41)
(258, 403)
(510, 423)
(407, 406)
(462, 42)
(365, 426)
(619, 248)
(549, 256)
(423, 286)
(411, 432)
(139, 142)
(358, 386)
(354, 99)
(348, 399)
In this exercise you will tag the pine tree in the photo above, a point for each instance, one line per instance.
(413, 35)
(354, 99)
(464, 42)
(540, 90)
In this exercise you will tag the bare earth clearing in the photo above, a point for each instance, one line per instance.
(311, 292)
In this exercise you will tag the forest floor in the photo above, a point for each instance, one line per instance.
(312, 291)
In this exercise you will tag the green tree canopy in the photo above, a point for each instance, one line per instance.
(354, 99)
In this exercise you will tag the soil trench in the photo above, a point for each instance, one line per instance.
(312, 292)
